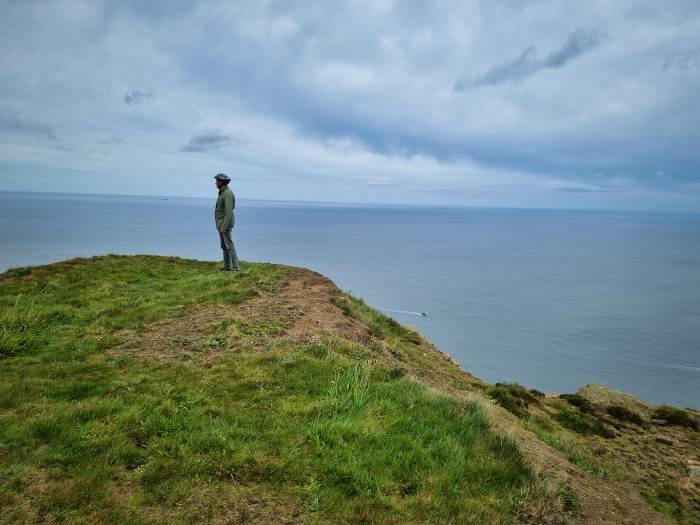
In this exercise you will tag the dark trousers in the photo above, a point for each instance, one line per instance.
(230, 255)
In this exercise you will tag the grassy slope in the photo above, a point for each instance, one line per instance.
(271, 431)
(622, 450)
(643, 447)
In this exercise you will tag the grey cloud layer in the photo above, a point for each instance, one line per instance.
(13, 121)
(683, 60)
(364, 93)
(207, 141)
(136, 96)
(577, 43)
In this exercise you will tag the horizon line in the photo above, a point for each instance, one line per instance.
(357, 203)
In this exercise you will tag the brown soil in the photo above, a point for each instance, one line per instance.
(310, 299)
(306, 305)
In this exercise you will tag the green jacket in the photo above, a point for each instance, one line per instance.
(223, 212)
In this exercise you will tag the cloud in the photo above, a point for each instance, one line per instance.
(329, 108)
(577, 43)
(379, 182)
(682, 60)
(209, 140)
(136, 96)
(13, 121)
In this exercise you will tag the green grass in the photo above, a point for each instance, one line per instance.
(557, 439)
(49, 307)
(381, 326)
(567, 497)
(580, 402)
(315, 431)
(583, 423)
(676, 416)
(514, 397)
(625, 414)
(666, 498)
(403, 343)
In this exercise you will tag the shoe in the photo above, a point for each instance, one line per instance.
(224, 269)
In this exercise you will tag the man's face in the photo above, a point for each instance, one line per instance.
(219, 184)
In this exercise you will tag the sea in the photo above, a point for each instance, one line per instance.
(551, 299)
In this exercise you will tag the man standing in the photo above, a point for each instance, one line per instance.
(223, 216)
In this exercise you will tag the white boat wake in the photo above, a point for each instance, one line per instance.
(405, 312)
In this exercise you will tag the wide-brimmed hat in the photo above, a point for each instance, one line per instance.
(222, 177)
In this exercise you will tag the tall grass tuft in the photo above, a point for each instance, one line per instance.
(350, 387)
(19, 321)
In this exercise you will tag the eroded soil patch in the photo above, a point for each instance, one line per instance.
(302, 307)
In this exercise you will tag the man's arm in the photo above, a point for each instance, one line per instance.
(228, 212)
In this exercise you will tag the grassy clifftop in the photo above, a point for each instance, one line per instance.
(158, 390)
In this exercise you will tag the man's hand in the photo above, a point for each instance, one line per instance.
(221, 230)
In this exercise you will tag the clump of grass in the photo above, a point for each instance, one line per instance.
(583, 423)
(396, 373)
(220, 337)
(667, 498)
(541, 503)
(317, 347)
(580, 402)
(20, 271)
(625, 414)
(350, 388)
(19, 321)
(676, 416)
(567, 497)
(695, 436)
(381, 326)
(514, 397)
(556, 439)
(668, 492)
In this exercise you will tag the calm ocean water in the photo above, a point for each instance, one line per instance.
(551, 299)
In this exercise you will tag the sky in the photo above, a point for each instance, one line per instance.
(545, 104)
